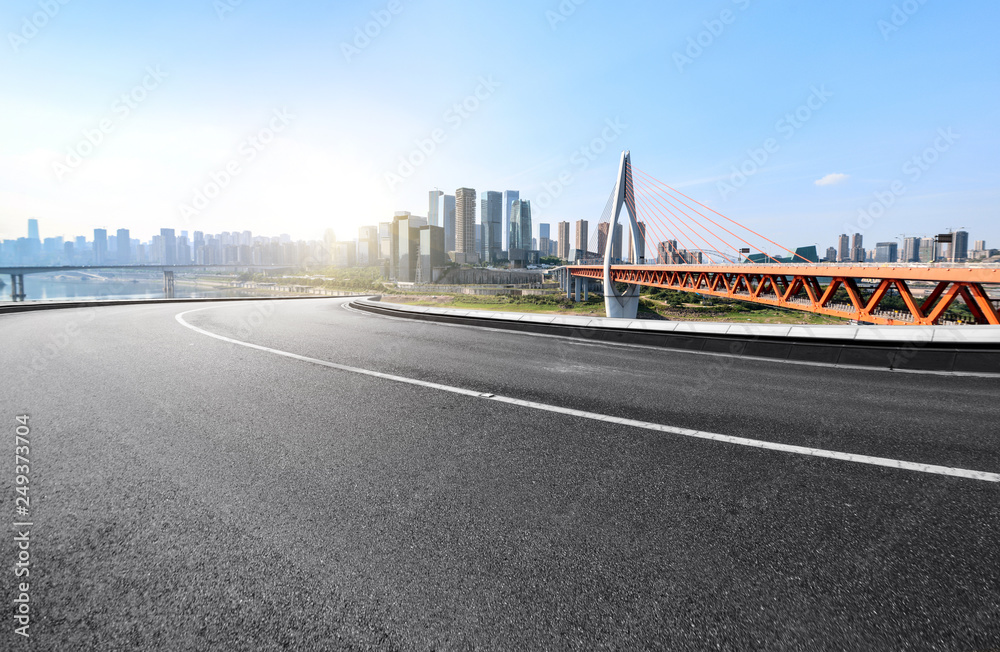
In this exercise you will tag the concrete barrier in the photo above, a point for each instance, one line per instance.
(950, 349)
(29, 306)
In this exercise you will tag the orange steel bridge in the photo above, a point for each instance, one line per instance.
(812, 288)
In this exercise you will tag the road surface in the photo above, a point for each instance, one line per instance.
(190, 493)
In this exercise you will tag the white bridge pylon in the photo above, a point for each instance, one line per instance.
(626, 304)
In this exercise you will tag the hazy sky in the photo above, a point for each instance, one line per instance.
(116, 114)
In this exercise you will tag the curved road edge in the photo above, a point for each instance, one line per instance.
(966, 350)
(15, 307)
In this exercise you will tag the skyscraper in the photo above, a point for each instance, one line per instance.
(433, 211)
(616, 242)
(405, 247)
(843, 248)
(928, 250)
(465, 221)
(544, 240)
(509, 197)
(33, 229)
(960, 246)
(885, 252)
(124, 247)
(636, 253)
(432, 254)
(367, 246)
(857, 249)
(602, 237)
(492, 222)
(562, 231)
(100, 246)
(168, 244)
(911, 250)
(520, 216)
(384, 240)
(449, 222)
(581, 239)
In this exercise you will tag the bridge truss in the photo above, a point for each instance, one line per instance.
(814, 288)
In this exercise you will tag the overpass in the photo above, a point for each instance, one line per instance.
(849, 290)
(17, 273)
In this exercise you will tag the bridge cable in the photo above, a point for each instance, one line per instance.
(659, 194)
(723, 216)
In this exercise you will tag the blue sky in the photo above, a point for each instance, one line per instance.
(313, 121)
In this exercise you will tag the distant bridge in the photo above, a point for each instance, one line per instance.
(17, 273)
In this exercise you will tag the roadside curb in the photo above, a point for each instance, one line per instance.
(948, 349)
(56, 305)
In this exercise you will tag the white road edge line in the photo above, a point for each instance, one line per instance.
(685, 432)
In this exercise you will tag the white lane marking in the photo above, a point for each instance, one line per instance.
(686, 432)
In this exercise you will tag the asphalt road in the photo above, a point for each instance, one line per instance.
(189, 493)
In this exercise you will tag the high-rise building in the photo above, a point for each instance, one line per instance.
(449, 222)
(405, 247)
(384, 240)
(928, 250)
(562, 231)
(432, 255)
(602, 237)
(184, 251)
(580, 240)
(433, 204)
(544, 240)
(616, 242)
(492, 226)
(843, 248)
(668, 254)
(168, 247)
(33, 229)
(911, 250)
(509, 197)
(465, 221)
(959, 246)
(521, 216)
(831, 255)
(100, 246)
(124, 247)
(979, 245)
(368, 244)
(858, 253)
(636, 253)
(886, 252)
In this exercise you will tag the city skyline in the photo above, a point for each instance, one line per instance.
(810, 137)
